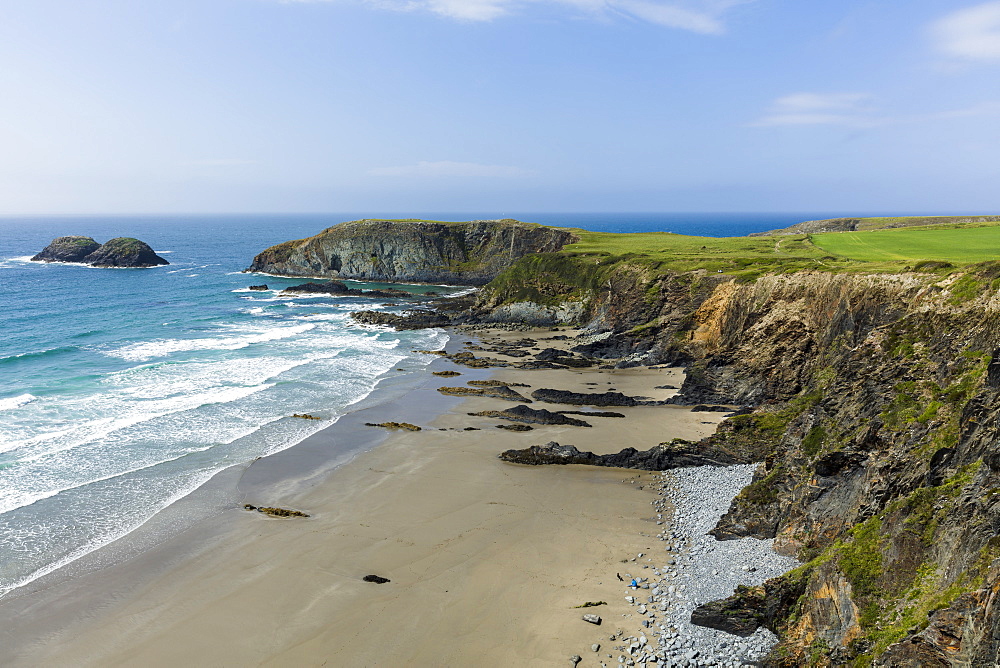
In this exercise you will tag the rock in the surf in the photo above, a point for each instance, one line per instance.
(67, 249)
(124, 252)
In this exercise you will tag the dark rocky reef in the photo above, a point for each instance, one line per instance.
(340, 288)
(67, 249)
(496, 392)
(119, 252)
(675, 454)
(532, 416)
(589, 398)
(414, 319)
(471, 253)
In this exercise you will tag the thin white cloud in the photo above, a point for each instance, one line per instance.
(991, 108)
(970, 34)
(450, 169)
(819, 109)
(699, 16)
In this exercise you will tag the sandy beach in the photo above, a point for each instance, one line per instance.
(486, 560)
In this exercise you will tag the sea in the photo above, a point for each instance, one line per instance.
(122, 391)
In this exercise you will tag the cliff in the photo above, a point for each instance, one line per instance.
(877, 400)
(471, 253)
(118, 252)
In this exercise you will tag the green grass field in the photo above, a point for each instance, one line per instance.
(677, 252)
(886, 250)
(958, 245)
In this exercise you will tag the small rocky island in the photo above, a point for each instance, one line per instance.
(119, 252)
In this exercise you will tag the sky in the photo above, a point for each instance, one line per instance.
(182, 106)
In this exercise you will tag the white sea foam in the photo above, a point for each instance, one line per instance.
(142, 352)
(16, 402)
(102, 540)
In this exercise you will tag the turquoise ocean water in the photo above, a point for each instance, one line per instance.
(122, 390)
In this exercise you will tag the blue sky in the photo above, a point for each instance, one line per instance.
(118, 106)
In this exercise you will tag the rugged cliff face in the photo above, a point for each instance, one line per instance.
(877, 405)
(412, 251)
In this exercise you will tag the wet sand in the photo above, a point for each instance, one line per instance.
(486, 559)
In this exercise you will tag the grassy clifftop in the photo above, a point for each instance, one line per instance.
(944, 246)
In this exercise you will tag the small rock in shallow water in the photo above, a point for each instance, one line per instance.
(377, 579)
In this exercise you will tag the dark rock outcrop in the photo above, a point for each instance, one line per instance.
(119, 252)
(417, 319)
(413, 251)
(675, 454)
(124, 252)
(749, 608)
(496, 392)
(589, 398)
(340, 288)
(540, 416)
(67, 249)
(325, 288)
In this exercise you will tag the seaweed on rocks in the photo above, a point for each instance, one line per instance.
(394, 425)
(496, 392)
(275, 512)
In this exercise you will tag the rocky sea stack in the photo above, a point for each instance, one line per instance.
(119, 252)
(419, 251)
(67, 249)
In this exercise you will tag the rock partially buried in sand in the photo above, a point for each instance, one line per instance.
(593, 619)
(662, 457)
(275, 512)
(541, 416)
(496, 383)
(589, 399)
(377, 579)
(447, 374)
(496, 392)
(394, 425)
(515, 427)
